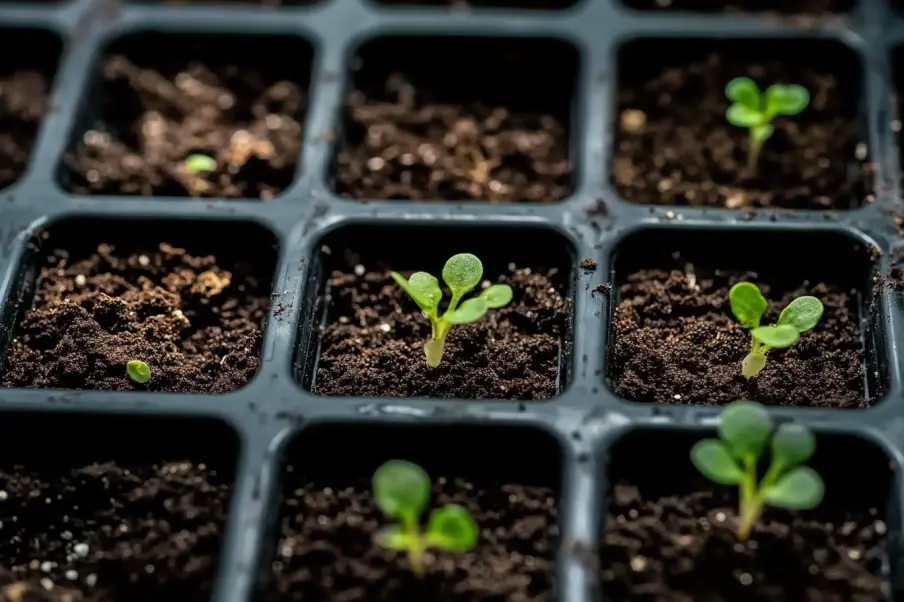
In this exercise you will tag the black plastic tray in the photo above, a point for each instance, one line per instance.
(586, 418)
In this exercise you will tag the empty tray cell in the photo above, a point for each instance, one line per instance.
(674, 338)
(675, 146)
(98, 508)
(181, 297)
(671, 534)
(28, 60)
(507, 479)
(808, 7)
(458, 119)
(239, 101)
(366, 337)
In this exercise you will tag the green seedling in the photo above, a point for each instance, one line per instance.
(138, 371)
(194, 167)
(744, 430)
(748, 305)
(755, 110)
(461, 273)
(401, 491)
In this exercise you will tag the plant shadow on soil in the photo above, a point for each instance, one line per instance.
(98, 510)
(670, 535)
(507, 477)
(673, 338)
(367, 336)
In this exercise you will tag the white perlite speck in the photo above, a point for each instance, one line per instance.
(359, 270)
(3, 496)
(71, 575)
(81, 549)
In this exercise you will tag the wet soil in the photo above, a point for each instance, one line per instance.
(196, 323)
(326, 550)
(248, 118)
(779, 6)
(675, 147)
(23, 102)
(374, 344)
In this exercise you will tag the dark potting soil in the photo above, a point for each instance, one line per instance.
(23, 102)
(675, 147)
(109, 532)
(326, 550)
(676, 341)
(779, 6)
(375, 344)
(157, 113)
(197, 324)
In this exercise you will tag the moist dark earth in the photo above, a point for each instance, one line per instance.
(246, 118)
(780, 6)
(676, 341)
(675, 147)
(375, 344)
(108, 532)
(326, 551)
(195, 323)
(23, 102)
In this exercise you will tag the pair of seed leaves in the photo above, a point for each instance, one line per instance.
(755, 110)
(744, 431)
(748, 305)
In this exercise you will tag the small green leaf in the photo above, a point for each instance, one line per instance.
(745, 92)
(422, 287)
(401, 489)
(498, 295)
(792, 444)
(786, 100)
(394, 537)
(713, 459)
(200, 163)
(762, 133)
(138, 371)
(803, 313)
(469, 311)
(747, 304)
(799, 489)
(452, 528)
(744, 117)
(462, 273)
(776, 336)
(745, 427)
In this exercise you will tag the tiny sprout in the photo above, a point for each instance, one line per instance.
(744, 430)
(755, 110)
(461, 274)
(748, 305)
(401, 490)
(193, 168)
(138, 371)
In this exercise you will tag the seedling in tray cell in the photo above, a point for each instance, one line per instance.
(748, 305)
(138, 371)
(744, 430)
(755, 110)
(402, 490)
(193, 169)
(461, 273)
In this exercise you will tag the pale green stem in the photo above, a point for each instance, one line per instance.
(753, 153)
(751, 503)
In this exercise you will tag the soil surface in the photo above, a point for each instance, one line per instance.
(675, 147)
(375, 345)
(23, 102)
(153, 119)
(195, 323)
(683, 548)
(326, 550)
(779, 6)
(417, 147)
(676, 341)
(109, 533)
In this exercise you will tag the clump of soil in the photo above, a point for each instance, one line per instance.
(246, 118)
(675, 147)
(194, 322)
(676, 341)
(326, 550)
(778, 6)
(23, 102)
(375, 344)
(108, 532)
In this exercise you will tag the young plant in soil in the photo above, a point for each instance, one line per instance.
(744, 430)
(755, 110)
(402, 490)
(138, 371)
(461, 274)
(193, 170)
(748, 305)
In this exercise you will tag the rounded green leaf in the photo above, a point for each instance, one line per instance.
(776, 336)
(744, 117)
(462, 272)
(786, 100)
(394, 537)
(745, 92)
(469, 311)
(803, 313)
(745, 427)
(200, 163)
(762, 133)
(747, 304)
(713, 459)
(498, 295)
(799, 489)
(138, 371)
(420, 288)
(452, 528)
(792, 444)
(401, 489)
